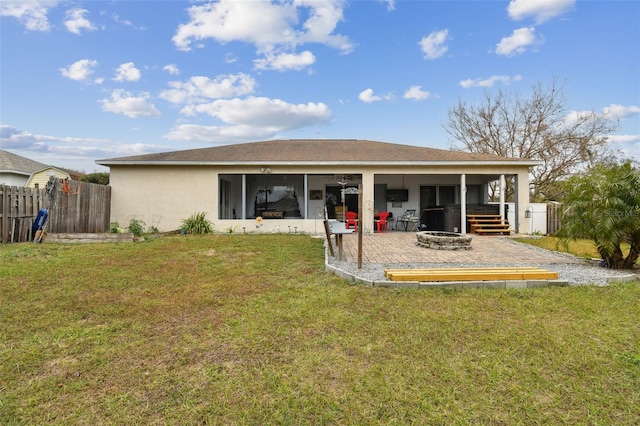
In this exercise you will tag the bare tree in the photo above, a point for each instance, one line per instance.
(537, 128)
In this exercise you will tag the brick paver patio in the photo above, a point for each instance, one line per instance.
(400, 247)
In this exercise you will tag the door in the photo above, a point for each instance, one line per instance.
(333, 199)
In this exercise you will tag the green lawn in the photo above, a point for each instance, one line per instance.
(249, 329)
(581, 248)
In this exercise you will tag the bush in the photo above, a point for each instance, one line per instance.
(99, 178)
(197, 224)
(136, 227)
(114, 228)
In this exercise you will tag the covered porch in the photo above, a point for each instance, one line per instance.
(302, 199)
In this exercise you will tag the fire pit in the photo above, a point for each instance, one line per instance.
(440, 240)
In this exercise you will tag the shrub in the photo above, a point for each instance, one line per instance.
(197, 223)
(114, 228)
(136, 227)
(98, 177)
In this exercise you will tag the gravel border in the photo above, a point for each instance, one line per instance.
(583, 273)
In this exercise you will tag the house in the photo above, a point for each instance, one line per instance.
(292, 183)
(16, 170)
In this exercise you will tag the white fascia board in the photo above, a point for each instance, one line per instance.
(320, 163)
(15, 172)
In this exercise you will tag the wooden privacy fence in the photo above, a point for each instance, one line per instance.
(74, 207)
(553, 218)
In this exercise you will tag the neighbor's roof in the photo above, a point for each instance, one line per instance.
(312, 151)
(14, 163)
(10, 162)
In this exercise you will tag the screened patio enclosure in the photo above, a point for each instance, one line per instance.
(312, 196)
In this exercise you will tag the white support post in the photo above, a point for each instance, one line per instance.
(368, 180)
(463, 204)
(502, 189)
(306, 195)
(244, 196)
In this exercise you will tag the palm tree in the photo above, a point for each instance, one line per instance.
(603, 205)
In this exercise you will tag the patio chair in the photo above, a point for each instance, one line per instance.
(352, 219)
(381, 222)
(407, 219)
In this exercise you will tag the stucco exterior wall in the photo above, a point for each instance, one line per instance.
(163, 196)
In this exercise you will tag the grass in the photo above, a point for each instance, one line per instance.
(249, 329)
(581, 248)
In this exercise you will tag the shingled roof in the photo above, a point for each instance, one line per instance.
(10, 162)
(14, 163)
(313, 151)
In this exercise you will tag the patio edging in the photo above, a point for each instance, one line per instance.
(522, 284)
(445, 284)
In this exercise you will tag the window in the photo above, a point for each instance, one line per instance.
(280, 195)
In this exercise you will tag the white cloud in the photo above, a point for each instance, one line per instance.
(624, 139)
(226, 134)
(80, 70)
(367, 96)
(254, 117)
(323, 17)
(540, 10)
(264, 112)
(122, 21)
(256, 22)
(200, 89)
(612, 112)
(629, 145)
(68, 147)
(171, 69)
(518, 42)
(76, 22)
(127, 72)
(416, 93)
(125, 103)
(31, 13)
(391, 4)
(265, 24)
(489, 82)
(434, 45)
(285, 61)
(616, 112)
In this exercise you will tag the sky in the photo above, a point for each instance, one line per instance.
(88, 80)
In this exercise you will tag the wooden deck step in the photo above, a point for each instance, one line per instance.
(470, 274)
(488, 224)
(484, 231)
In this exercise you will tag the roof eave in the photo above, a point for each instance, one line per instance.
(320, 163)
(16, 172)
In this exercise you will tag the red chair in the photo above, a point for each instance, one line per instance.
(352, 219)
(381, 222)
